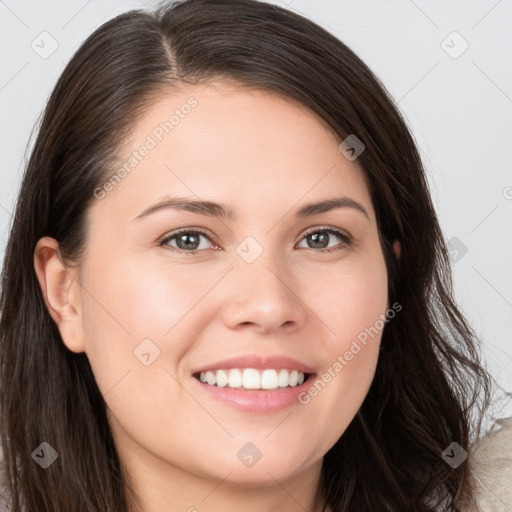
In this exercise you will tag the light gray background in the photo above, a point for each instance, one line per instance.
(458, 106)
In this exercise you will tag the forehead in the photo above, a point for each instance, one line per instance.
(231, 114)
(233, 145)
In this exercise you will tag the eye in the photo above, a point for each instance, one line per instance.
(188, 241)
(320, 237)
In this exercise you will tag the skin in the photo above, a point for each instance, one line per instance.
(264, 156)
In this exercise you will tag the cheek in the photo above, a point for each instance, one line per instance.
(158, 296)
(352, 307)
(122, 307)
(128, 319)
(139, 299)
(347, 297)
(132, 300)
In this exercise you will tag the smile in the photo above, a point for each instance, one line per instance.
(252, 378)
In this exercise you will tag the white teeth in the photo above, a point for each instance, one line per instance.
(234, 378)
(283, 378)
(250, 378)
(269, 379)
(222, 378)
(210, 378)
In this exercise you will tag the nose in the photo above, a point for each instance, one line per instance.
(263, 297)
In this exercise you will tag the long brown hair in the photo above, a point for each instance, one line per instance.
(429, 389)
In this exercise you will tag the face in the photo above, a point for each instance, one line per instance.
(264, 282)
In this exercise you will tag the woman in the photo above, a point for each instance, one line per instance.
(226, 285)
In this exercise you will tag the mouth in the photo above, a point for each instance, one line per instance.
(268, 379)
(255, 383)
(254, 391)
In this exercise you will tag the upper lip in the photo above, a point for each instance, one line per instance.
(258, 361)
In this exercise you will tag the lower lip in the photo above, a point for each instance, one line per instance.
(257, 400)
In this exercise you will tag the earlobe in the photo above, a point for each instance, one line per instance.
(59, 286)
(397, 249)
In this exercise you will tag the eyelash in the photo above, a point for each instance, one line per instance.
(347, 239)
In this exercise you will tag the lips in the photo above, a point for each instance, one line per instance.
(257, 361)
(253, 401)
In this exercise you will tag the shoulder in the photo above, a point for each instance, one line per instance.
(490, 461)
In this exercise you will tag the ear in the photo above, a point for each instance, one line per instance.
(397, 249)
(60, 289)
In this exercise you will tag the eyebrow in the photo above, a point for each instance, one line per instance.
(222, 211)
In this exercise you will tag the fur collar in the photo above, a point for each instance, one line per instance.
(490, 461)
